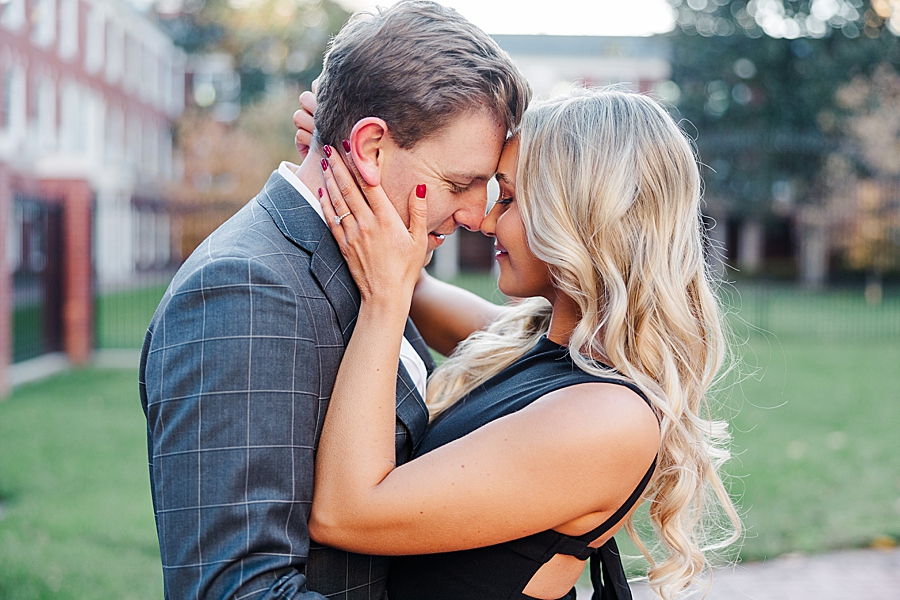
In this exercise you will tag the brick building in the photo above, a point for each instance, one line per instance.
(89, 90)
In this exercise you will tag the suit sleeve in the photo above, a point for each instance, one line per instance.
(231, 395)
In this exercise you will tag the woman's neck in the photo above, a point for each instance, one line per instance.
(563, 320)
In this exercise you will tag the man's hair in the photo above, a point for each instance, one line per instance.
(417, 65)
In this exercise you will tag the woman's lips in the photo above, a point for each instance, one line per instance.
(499, 251)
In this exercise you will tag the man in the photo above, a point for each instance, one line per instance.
(241, 356)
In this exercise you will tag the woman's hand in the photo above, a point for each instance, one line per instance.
(303, 120)
(384, 255)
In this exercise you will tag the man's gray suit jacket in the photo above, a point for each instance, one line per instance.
(237, 369)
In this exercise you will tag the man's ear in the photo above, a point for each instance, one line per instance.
(367, 142)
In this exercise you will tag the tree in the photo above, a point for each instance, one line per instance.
(872, 129)
(759, 80)
(273, 41)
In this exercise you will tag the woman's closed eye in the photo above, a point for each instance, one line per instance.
(505, 201)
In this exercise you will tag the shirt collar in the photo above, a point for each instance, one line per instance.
(286, 170)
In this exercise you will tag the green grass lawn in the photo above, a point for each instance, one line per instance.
(76, 519)
(122, 317)
(816, 466)
(815, 438)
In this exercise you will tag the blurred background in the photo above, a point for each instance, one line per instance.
(130, 129)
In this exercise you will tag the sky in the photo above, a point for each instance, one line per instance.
(561, 17)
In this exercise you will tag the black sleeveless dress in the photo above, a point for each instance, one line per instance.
(502, 571)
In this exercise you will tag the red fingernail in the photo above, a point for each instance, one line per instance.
(324, 164)
(346, 144)
(320, 192)
(420, 190)
(327, 149)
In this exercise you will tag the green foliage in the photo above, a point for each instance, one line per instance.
(765, 106)
(270, 39)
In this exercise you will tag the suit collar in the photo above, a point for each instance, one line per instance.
(302, 225)
(299, 223)
(293, 215)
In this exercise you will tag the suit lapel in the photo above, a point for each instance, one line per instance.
(301, 224)
(415, 339)
(411, 408)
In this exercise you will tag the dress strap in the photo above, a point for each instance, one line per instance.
(607, 575)
(617, 516)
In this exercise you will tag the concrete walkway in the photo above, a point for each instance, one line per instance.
(848, 575)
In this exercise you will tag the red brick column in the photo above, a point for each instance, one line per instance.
(6, 299)
(78, 301)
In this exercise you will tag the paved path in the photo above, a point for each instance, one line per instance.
(849, 575)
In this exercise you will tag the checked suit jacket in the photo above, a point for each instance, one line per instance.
(237, 369)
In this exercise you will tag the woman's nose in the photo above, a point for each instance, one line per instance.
(489, 223)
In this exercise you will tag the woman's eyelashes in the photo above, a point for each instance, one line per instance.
(505, 201)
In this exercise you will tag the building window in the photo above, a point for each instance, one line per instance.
(133, 73)
(115, 136)
(165, 153)
(68, 28)
(133, 142)
(12, 14)
(115, 52)
(6, 98)
(73, 128)
(13, 105)
(43, 22)
(150, 77)
(45, 114)
(150, 159)
(94, 39)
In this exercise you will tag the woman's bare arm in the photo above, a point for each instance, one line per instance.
(446, 315)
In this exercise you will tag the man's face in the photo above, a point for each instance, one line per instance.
(455, 164)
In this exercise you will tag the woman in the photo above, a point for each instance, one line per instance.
(551, 424)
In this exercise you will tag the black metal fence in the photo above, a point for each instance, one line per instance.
(34, 244)
(157, 237)
(830, 314)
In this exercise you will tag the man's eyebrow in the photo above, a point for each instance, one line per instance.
(466, 177)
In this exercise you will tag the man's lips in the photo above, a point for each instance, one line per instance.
(435, 239)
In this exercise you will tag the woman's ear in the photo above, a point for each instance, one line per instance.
(367, 142)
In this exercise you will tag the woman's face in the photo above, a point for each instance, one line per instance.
(522, 274)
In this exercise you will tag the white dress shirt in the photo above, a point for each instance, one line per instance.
(414, 364)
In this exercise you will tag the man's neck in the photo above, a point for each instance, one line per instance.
(310, 170)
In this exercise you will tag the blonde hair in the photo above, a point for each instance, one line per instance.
(609, 193)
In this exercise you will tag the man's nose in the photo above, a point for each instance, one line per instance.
(471, 213)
